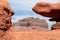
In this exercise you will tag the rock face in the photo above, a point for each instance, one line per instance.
(5, 16)
(31, 23)
(49, 10)
(56, 26)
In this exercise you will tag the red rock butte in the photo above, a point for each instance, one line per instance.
(46, 9)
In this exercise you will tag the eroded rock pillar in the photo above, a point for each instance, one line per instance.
(5, 17)
(51, 10)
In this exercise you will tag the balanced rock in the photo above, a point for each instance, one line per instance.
(5, 16)
(51, 10)
(48, 10)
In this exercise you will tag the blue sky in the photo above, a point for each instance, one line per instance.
(23, 9)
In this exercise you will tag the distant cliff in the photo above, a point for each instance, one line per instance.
(32, 23)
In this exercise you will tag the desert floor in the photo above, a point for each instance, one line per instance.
(34, 35)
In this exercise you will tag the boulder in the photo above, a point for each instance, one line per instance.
(55, 26)
(5, 17)
(45, 9)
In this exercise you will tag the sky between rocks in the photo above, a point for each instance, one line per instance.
(23, 9)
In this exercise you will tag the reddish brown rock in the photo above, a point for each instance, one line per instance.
(5, 14)
(48, 10)
(5, 4)
(56, 26)
(5, 17)
(51, 10)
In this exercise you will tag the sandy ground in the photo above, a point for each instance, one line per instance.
(34, 35)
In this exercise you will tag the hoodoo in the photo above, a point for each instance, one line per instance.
(5, 17)
(51, 10)
(48, 10)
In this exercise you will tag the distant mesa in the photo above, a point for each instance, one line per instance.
(31, 23)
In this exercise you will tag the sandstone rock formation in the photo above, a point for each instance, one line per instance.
(56, 26)
(49, 10)
(5, 17)
(31, 23)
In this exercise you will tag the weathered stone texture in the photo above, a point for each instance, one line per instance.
(5, 17)
(51, 10)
